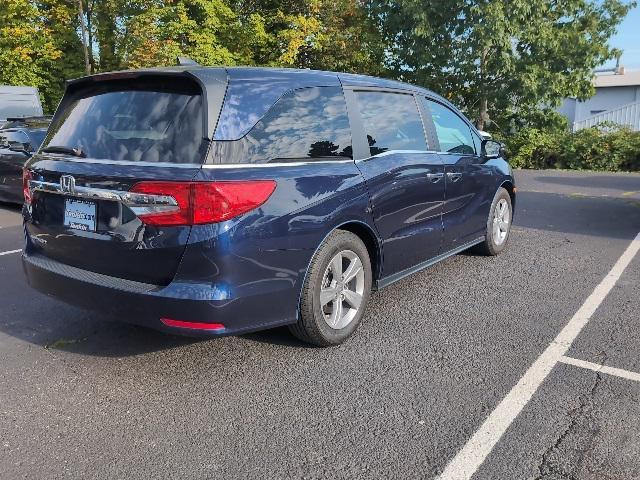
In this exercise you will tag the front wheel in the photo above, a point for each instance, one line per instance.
(498, 225)
(335, 292)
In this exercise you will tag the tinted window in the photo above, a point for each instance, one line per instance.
(8, 138)
(453, 133)
(391, 121)
(134, 125)
(303, 124)
(37, 137)
(17, 108)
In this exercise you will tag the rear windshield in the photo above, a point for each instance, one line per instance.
(150, 121)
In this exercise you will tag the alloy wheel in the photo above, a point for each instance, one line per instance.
(501, 221)
(342, 289)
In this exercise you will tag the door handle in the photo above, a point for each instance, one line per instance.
(435, 177)
(454, 176)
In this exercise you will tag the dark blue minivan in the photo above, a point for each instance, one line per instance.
(218, 201)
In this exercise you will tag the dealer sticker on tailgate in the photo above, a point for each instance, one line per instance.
(80, 215)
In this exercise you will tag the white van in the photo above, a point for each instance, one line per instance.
(19, 102)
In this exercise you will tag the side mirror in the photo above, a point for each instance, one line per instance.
(19, 147)
(493, 149)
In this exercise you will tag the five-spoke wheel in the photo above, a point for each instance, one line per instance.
(501, 221)
(335, 291)
(342, 289)
(498, 224)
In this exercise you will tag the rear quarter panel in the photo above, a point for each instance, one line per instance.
(263, 256)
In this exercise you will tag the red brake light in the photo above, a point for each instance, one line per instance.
(26, 176)
(203, 202)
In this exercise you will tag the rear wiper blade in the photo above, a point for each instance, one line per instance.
(76, 152)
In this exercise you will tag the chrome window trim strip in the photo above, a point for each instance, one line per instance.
(298, 164)
(275, 164)
(459, 154)
(391, 152)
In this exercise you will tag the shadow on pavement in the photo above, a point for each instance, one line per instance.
(620, 182)
(11, 207)
(116, 339)
(576, 214)
(76, 331)
(277, 336)
(10, 215)
(39, 320)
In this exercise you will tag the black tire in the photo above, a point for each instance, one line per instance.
(312, 326)
(491, 246)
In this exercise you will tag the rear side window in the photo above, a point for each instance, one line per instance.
(391, 121)
(304, 124)
(453, 133)
(149, 122)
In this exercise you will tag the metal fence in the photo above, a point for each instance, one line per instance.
(626, 115)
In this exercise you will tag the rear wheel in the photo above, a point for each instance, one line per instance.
(335, 291)
(498, 225)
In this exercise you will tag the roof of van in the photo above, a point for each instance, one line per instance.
(293, 77)
(303, 76)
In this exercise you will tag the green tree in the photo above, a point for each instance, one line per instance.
(501, 61)
(61, 19)
(28, 51)
(200, 29)
(320, 34)
(349, 41)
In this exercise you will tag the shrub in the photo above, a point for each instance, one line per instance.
(606, 147)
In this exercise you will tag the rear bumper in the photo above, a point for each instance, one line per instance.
(145, 304)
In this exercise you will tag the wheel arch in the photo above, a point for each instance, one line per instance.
(370, 239)
(510, 187)
(365, 233)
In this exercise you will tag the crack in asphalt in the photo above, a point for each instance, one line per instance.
(559, 462)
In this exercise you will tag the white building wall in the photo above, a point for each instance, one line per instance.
(568, 109)
(607, 98)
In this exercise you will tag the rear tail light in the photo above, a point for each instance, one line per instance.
(26, 177)
(194, 203)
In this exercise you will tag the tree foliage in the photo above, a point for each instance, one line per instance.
(605, 147)
(499, 60)
(28, 49)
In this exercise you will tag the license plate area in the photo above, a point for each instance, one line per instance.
(80, 214)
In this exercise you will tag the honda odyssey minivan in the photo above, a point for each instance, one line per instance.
(217, 201)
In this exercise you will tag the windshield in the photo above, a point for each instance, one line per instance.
(133, 125)
(38, 137)
(18, 108)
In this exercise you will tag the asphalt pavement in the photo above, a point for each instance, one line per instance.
(83, 396)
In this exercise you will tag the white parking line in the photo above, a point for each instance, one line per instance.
(9, 252)
(474, 452)
(618, 372)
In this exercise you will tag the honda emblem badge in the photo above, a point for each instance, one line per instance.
(68, 184)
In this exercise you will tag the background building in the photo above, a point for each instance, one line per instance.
(617, 99)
